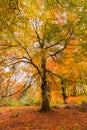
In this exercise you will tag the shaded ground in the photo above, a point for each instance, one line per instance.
(28, 118)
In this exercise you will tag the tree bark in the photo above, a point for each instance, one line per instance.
(64, 94)
(45, 98)
(44, 88)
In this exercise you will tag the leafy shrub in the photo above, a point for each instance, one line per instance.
(36, 103)
(13, 102)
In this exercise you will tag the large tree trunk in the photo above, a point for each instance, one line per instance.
(45, 98)
(44, 88)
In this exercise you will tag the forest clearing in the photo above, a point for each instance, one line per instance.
(63, 117)
(43, 64)
(28, 118)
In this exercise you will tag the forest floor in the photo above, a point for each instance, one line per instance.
(29, 118)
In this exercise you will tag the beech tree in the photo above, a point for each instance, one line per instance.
(32, 33)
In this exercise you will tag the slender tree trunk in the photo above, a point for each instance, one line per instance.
(64, 94)
(0, 101)
(44, 88)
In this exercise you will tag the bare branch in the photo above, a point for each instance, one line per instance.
(57, 75)
(38, 38)
(23, 88)
(54, 44)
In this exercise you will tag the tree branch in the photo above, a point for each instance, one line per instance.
(22, 88)
(65, 44)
